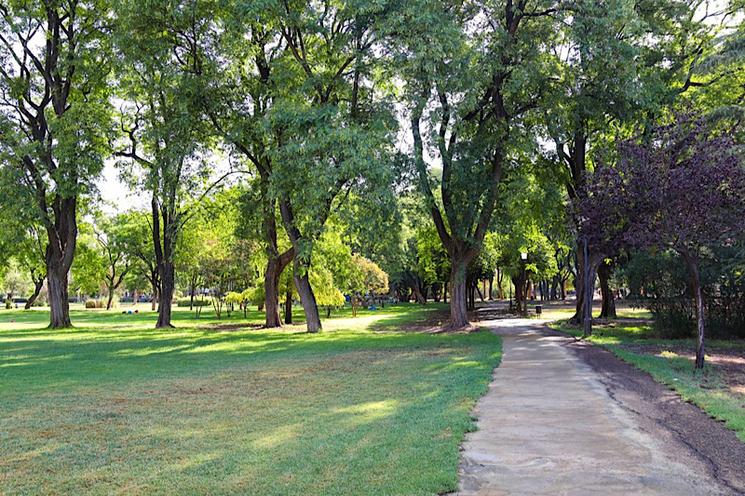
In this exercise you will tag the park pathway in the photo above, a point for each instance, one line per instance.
(548, 426)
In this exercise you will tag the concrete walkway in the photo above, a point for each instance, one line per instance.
(547, 426)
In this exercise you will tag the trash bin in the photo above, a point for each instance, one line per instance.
(538, 309)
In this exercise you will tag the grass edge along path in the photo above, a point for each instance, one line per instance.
(676, 373)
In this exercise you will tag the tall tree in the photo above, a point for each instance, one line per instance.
(112, 237)
(471, 76)
(684, 190)
(54, 115)
(309, 118)
(164, 130)
(623, 63)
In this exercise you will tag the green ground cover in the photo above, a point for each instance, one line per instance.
(669, 363)
(114, 406)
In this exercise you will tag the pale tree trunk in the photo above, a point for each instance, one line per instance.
(154, 299)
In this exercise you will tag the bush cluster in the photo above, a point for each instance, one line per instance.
(186, 302)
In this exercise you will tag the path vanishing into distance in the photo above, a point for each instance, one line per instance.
(551, 424)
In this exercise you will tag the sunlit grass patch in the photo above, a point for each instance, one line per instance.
(126, 408)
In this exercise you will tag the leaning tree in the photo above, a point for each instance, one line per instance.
(54, 114)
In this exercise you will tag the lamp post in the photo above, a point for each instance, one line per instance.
(524, 282)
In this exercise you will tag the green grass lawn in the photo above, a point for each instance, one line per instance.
(116, 407)
(632, 341)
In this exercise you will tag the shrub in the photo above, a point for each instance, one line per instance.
(186, 302)
(95, 303)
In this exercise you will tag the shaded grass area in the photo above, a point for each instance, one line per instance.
(114, 406)
(633, 342)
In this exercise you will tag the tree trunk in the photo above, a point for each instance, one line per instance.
(192, 291)
(38, 284)
(165, 296)
(700, 317)
(307, 299)
(579, 287)
(301, 265)
(60, 252)
(288, 306)
(608, 308)
(110, 299)
(275, 265)
(154, 299)
(418, 296)
(458, 295)
(59, 305)
(491, 283)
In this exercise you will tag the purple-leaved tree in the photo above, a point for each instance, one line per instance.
(683, 189)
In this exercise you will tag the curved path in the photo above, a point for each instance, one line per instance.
(549, 426)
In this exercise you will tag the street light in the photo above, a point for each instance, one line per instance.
(524, 282)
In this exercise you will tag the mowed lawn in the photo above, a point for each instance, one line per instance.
(116, 407)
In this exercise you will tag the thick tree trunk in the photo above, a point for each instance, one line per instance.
(458, 295)
(59, 306)
(274, 267)
(700, 316)
(38, 285)
(271, 293)
(307, 299)
(165, 296)
(60, 252)
(301, 265)
(608, 307)
(418, 296)
(579, 287)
